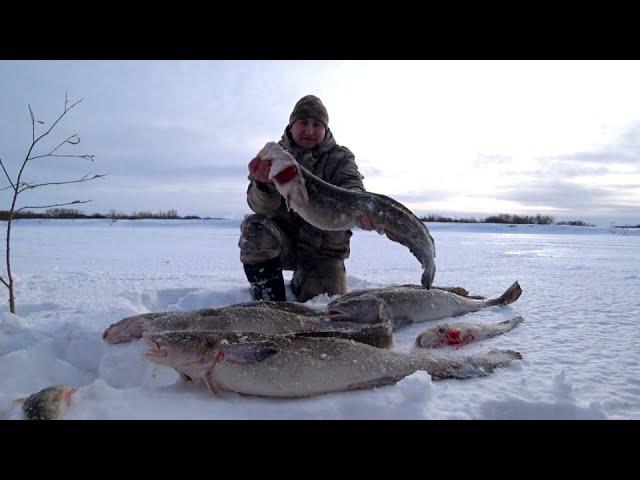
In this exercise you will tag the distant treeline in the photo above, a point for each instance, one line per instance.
(71, 213)
(507, 218)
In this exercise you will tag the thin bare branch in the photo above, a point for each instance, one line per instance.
(7, 174)
(56, 122)
(85, 178)
(50, 206)
(86, 157)
(5, 283)
(68, 140)
(33, 125)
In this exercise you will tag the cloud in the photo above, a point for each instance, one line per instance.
(483, 161)
(626, 150)
(561, 195)
(420, 197)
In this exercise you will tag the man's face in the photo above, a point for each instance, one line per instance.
(308, 133)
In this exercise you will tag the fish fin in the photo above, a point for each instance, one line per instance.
(514, 322)
(249, 352)
(463, 292)
(212, 385)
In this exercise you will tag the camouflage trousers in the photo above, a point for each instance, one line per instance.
(262, 239)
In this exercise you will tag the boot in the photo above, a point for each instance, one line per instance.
(267, 282)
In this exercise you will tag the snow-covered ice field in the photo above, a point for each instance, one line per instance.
(580, 339)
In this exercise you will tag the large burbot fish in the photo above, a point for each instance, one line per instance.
(463, 333)
(290, 366)
(329, 207)
(275, 322)
(130, 328)
(409, 304)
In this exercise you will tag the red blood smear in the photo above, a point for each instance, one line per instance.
(287, 174)
(453, 337)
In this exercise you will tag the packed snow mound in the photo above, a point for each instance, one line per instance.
(581, 300)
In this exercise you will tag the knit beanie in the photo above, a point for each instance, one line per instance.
(309, 106)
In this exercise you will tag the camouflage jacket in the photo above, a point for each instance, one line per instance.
(329, 161)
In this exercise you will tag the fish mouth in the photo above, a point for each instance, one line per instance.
(338, 315)
(156, 350)
(69, 393)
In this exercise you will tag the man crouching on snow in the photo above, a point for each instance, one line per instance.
(275, 238)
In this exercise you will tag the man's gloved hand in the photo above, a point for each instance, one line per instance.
(259, 169)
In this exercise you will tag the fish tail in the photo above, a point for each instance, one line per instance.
(511, 295)
(468, 367)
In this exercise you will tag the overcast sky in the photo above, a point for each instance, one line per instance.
(456, 138)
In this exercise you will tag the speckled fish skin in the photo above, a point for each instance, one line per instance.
(49, 403)
(463, 333)
(366, 291)
(330, 207)
(408, 304)
(131, 328)
(272, 321)
(291, 366)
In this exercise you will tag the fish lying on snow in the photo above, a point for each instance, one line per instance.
(291, 366)
(130, 328)
(409, 304)
(329, 207)
(273, 321)
(463, 333)
(47, 404)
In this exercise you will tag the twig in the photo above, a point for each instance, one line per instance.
(86, 178)
(33, 125)
(86, 157)
(56, 122)
(49, 206)
(7, 175)
(5, 283)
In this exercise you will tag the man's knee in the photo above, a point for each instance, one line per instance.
(260, 239)
(322, 276)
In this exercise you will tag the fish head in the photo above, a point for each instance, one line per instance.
(125, 330)
(49, 403)
(183, 350)
(433, 338)
(362, 309)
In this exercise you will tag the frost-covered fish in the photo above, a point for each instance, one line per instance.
(463, 333)
(272, 321)
(130, 328)
(463, 292)
(329, 207)
(291, 366)
(411, 304)
(49, 403)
